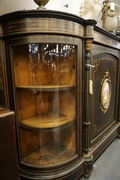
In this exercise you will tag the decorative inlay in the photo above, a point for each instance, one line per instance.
(40, 25)
(88, 45)
(101, 38)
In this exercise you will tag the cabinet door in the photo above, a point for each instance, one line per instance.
(105, 78)
(45, 76)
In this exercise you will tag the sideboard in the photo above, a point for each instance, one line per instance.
(63, 85)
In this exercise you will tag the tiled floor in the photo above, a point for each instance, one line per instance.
(107, 166)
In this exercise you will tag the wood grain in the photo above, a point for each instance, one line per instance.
(50, 153)
(46, 121)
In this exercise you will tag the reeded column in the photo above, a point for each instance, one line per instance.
(88, 94)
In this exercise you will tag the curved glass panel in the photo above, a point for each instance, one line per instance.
(45, 82)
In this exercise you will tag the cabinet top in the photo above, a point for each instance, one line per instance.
(52, 22)
(44, 21)
(45, 14)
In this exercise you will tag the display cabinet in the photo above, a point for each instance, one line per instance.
(45, 85)
(63, 81)
(44, 53)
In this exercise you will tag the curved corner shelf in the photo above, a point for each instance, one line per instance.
(49, 121)
(52, 153)
(47, 87)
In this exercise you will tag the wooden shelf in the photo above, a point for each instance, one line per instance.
(47, 87)
(48, 121)
(49, 154)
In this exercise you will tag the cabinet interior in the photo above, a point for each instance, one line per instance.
(45, 83)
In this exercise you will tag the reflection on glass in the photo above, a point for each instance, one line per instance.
(46, 103)
(45, 57)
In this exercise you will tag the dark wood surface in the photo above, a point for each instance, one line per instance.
(83, 141)
(9, 169)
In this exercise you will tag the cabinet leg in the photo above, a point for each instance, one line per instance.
(88, 165)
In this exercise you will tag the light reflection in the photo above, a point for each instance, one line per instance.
(46, 57)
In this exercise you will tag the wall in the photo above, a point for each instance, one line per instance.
(13, 5)
(7, 6)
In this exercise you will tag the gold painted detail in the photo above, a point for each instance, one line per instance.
(106, 11)
(86, 123)
(44, 25)
(105, 40)
(88, 157)
(88, 45)
(9, 27)
(98, 61)
(105, 94)
(33, 24)
(47, 24)
(115, 65)
(94, 129)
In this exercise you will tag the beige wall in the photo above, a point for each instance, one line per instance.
(7, 6)
(14, 5)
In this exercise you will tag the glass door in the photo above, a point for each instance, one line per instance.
(45, 85)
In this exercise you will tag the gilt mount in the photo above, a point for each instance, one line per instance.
(105, 94)
(41, 4)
